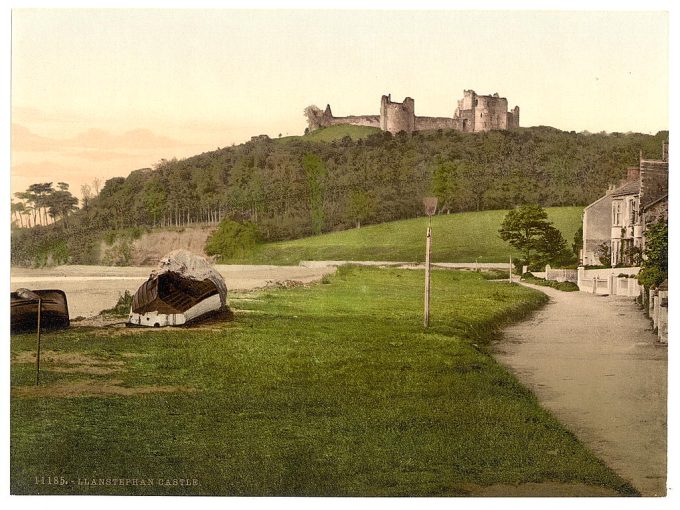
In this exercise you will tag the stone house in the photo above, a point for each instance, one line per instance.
(619, 219)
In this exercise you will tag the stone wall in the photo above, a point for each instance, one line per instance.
(561, 275)
(653, 181)
(658, 312)
(609, 281)
(355, 120)
(658, 211)
(513, 118)
(425, 123)
(596, 229)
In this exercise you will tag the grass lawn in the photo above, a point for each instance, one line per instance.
(328, 389)
(463, 237)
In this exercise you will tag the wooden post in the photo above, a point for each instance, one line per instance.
(510, 270)
(37, 357)
(428, 245)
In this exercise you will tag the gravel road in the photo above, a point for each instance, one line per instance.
(595, 363)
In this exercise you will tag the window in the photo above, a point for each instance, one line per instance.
(615, 253)
(632, 209)
(616, 213)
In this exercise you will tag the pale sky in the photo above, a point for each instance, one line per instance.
(99, 93)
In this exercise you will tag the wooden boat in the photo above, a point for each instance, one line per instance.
(24, 311)
(183, 290)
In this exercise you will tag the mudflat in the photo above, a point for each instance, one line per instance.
(91, 289)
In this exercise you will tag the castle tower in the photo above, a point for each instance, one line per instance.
(396, 117)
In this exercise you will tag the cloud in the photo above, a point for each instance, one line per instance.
(27, 114)
(138, 139)
(46, 170)
(23, 139)
(97, 155)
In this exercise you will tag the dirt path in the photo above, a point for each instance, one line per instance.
(595, 364)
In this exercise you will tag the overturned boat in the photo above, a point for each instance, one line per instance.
(24, 310)
(184, 289)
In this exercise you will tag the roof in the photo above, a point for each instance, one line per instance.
(598, 201)
(660, 199)
(629, 188)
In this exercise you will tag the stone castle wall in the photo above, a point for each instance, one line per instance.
(475, 113)
(425, 123)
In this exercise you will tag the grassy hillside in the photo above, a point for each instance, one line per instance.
(463, 237)
(335, 133)
(331, 179)
(330, 390)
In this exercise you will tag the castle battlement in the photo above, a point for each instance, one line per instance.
(475, 113)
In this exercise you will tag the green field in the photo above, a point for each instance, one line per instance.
(463, 237)
(328, 389)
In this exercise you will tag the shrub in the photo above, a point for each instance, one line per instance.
(494, 274)
(122, 307)
(232, 240)
(118, 254)
(654, 268)
(563, 286)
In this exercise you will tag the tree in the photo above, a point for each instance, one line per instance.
(577, 245)
(654, 267)
(444, 185)
(313, 114)
(86, 192)
(360, 207)
(18, 209)
(232, 240)
(527, 228)
(41, 193)
(29, 205)
(61, 203)
(604, 254)
(315, 171)
(155, 199)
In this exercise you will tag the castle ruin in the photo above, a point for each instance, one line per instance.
(474, 114)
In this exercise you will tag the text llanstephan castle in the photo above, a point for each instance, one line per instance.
(474, 113)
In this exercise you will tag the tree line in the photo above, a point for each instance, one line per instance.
(42, 204)
(293, 187)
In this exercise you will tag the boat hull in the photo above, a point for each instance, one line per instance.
(24, 312)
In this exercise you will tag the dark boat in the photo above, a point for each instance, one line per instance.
(183, 290)
(24, 310)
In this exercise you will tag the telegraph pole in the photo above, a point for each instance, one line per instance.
(28, 294)
(430, 208)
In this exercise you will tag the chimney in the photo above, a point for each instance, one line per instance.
(633, 173)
